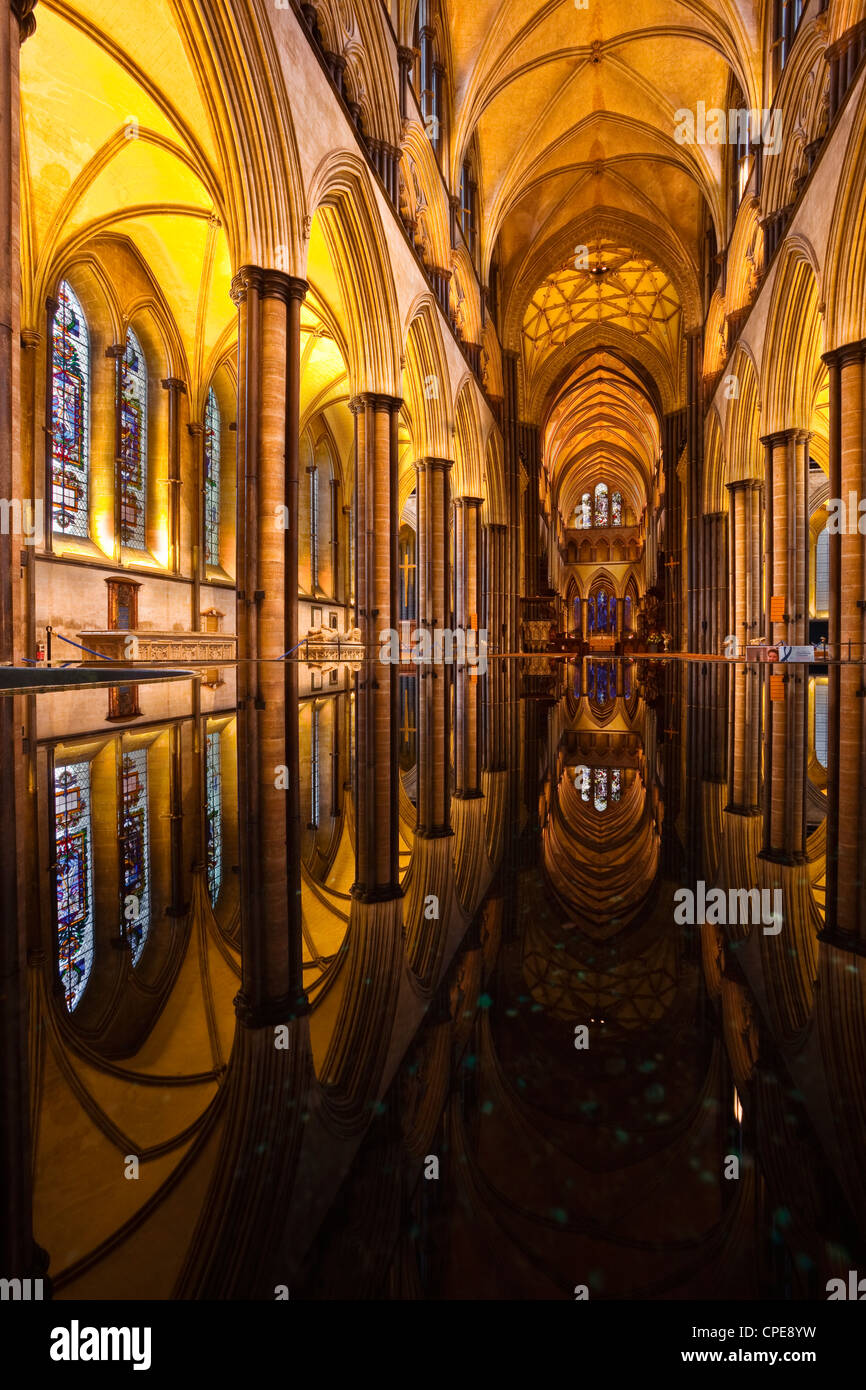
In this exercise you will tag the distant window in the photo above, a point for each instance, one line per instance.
(212, 461)
(822, 573)
(602, 515)
(820, 737)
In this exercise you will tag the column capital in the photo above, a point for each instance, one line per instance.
(267, 284)
(793, 434)
(432, 465)
(847, 353)
(174, 383)
(30, 337)
(196, 427)
(405, 57)
(468, 501)
(745, 483)
(115, 350)
(23, 12)
(375, 400)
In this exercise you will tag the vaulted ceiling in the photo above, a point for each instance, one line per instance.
(572, 107)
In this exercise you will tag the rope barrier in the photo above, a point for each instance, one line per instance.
(89, 650)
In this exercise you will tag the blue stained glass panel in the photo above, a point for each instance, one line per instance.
(70, 417)
(133, 444)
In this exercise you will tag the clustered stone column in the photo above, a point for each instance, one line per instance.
(467, 535)
(269, 304)
(377, 605)
(787, 533)
(744, 550)
(434, 683)
(846, 762)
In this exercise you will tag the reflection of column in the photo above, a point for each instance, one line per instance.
(787, 540)
(744, 740)
(744, 550)
(269, 304)
(846, 765)
(785, 752)
(376, 591)
(467, 521)
(467, 749)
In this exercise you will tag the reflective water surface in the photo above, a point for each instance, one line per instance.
(420, 984)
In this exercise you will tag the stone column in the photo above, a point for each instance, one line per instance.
(434, 682)
(269, 303)
(175, 389)
(694, 445)
(787, 539)
(846, 766)
(467, 531)
(377, 875)
(196, 431)
(511, 537)
(744, 551)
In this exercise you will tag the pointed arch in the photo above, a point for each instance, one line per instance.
(427, 382)
(793, 340)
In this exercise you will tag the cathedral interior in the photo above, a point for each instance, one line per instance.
(433, 643)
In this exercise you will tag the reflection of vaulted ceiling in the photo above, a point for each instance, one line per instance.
(602, 428)
(602, 865)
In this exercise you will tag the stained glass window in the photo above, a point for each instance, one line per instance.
(581, 782)
(616, 509)
(212, 446)
(314, 529)
(601, 611)
(583, 517)
(612, 621)
(134, 835)
(70, 416)
(600, 789)
(627, 613)
(74, 880)
(601, 505)
(133, 444)
(615, 785)
(213, 816)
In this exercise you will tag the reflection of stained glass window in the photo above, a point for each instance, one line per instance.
(601, 685)
(616, 509)
(601, 611)
(213, 816)
(581, 782)
(628, 681)
(70, 416)
(583, 518)
(600, 789)
(601, 505)
(314, 771)
(133, 443)
(134, 838)
(74, 881)
(212, 446)
(615, 785)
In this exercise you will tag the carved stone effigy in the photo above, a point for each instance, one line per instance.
(184, 648)
(326, 645)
